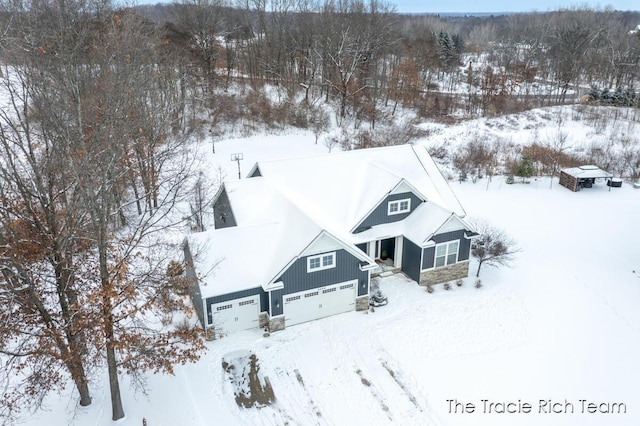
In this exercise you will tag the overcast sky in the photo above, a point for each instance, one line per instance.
(492, 6)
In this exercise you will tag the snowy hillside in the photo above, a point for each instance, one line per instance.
(557, 332)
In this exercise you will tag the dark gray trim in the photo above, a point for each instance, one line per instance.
(380, 214)
(411, 259)
(222, 212)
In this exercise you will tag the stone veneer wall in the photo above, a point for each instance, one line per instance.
(263, 320)
(445, 273)
(362, 303)
(276, 324)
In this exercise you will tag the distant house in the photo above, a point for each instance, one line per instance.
(577, 178)
(635, 31)
(300, 238)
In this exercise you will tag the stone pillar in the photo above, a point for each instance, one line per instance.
(263, 319)
(276, 323)
(210, 333)
(362, 303)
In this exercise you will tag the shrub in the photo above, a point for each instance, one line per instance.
(447, 286)
(478, 283)
(459, 282)
(429, 288)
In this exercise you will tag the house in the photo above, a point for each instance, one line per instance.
(576, 178)
(300, 238)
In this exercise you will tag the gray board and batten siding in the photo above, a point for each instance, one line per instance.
(223, 215)
(411, 259)
(380, 214)
(296, 278)
(463, 248)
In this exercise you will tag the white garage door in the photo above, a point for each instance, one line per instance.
(236, 315)
(320, 302)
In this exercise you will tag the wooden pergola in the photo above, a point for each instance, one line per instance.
(576, 178)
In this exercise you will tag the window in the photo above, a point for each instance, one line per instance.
(321, 261)
(292, 298)
(399, 206)
(223, 307)
(246, 302)
(446, 254)
(329, 290)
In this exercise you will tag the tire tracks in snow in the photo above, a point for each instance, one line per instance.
(404, 382)
(285, 380)
(375, 394)
(369, 366)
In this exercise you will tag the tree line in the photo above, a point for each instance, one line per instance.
(91, 170)
(365, 59)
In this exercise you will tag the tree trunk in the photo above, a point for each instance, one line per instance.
(107, 313)
(82, 384)
(117, 411)
(478, 271)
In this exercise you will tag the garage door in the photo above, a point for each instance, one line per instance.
(236, 315)
(319, 303)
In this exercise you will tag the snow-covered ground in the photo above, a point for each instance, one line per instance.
(562, 324)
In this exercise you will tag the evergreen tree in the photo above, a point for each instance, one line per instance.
(524, 168)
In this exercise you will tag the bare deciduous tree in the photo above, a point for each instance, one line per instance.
(493, 246)
(84, 138)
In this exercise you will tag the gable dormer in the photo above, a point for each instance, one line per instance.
(223, 214)
(255, 171)
(395, 206)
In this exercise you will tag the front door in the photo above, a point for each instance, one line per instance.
(386, 249)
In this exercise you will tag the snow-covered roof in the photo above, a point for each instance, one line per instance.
(342, 188)
(587, 172)
(224, 266)
(271, 232)
(299, 200)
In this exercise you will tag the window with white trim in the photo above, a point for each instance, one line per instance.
(399, 206)
(446, 253)
(321, 261)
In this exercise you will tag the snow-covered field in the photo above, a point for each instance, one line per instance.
(562, 324)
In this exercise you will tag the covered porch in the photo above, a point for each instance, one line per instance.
(387, 253)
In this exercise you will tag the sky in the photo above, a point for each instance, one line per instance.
(493, 6)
